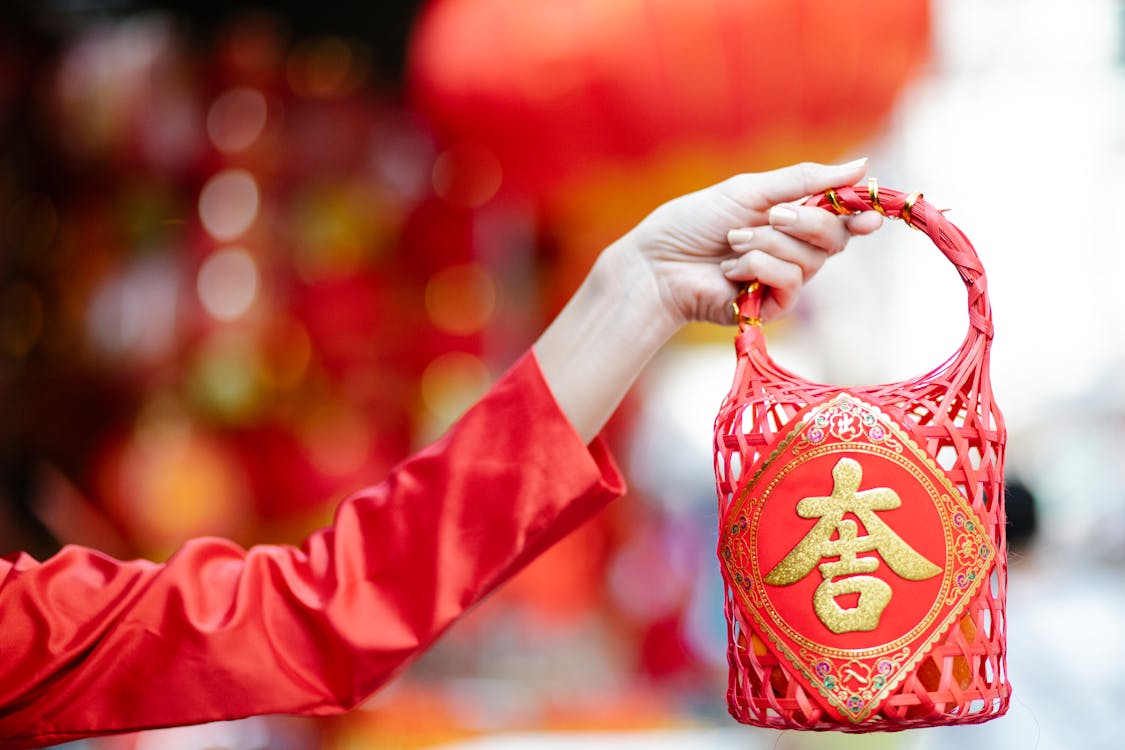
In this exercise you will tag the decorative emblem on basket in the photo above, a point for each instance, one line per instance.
(853, 553)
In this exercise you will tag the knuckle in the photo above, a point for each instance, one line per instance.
(808, 171)
(791, 276)
(815, 263)
(755, 260)
(740, 183)
(825, 230)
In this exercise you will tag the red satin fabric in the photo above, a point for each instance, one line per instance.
(92, 645)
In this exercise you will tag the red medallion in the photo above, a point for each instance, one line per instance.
(851, 552)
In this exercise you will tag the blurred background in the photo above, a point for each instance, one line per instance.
(252, 256)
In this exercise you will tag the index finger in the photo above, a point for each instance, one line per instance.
(799, 180)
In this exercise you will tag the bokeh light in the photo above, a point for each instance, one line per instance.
(228, 283)
(461, 299)
(172, 481)
(104, 75)
(337, 440)
(228, 204)
(237, 118)
(467, 175)
(133, 314)
(450, 384)
(326, 66)
(339, 228)
(286, 354)
(224, 381)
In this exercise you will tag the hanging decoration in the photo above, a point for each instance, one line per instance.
(565, 91)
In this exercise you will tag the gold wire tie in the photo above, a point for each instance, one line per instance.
(873, 191)
(739, 318)
(908, 207)
(835, 201)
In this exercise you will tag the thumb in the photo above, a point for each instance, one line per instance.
(800, 180)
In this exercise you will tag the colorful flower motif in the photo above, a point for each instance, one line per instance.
(816, 435)
(884, 666)
(823, 668)
(876, 433)
(855, 703)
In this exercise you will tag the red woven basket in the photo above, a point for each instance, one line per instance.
(861, 533)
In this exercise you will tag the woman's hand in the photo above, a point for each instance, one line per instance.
(700, 247)
(684, 262)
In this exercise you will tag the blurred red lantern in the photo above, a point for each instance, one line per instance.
(558, 89)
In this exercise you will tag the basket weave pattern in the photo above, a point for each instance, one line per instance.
(963, 679)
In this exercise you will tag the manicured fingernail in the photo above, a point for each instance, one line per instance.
(740, 236)
(782, 216)
(856, 163)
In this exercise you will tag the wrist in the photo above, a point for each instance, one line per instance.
(630, 281)
(593, 351)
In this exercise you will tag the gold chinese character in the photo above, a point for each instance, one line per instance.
(874, 594)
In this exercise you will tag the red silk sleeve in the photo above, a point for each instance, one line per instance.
(92, 645)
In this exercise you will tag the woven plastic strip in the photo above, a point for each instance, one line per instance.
(861, 530)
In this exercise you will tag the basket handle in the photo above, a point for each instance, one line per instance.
(915, 212)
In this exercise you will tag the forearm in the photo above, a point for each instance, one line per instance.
(613, 325)
(95, 645)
